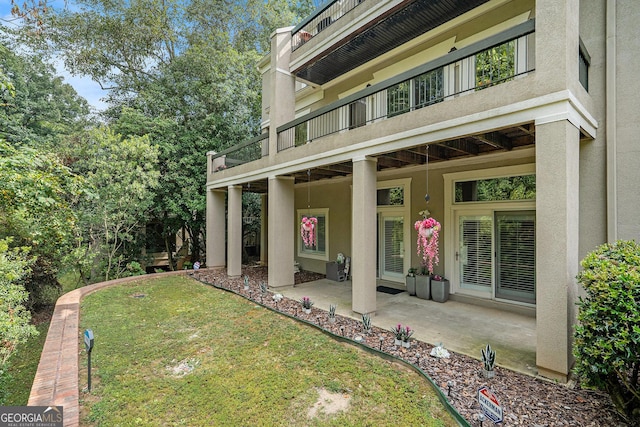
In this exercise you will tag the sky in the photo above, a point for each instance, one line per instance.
(85, 87)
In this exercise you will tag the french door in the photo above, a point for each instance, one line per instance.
(496, 254)
(391, 246)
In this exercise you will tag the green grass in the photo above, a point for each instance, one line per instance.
(22, 369)
(251, 367)
(24, 362)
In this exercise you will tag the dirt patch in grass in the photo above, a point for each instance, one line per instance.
(329, 403)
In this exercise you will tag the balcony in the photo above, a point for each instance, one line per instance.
(461, 72)
(377, 29)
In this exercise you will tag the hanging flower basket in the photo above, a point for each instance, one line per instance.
(427, 244)
(307, 231)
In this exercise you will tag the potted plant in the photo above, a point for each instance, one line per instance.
(306, 304)
(489, 362)
(410, 281)
(398, 334)
(366, 323)
(406, 338)
(332, 313)
(427, 248)
(439, 288)
(423, 285)
(335, 270)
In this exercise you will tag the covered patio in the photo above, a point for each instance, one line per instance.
(461, 327)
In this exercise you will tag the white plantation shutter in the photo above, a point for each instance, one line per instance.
(516, 256)
(475, 251)
(393, 240)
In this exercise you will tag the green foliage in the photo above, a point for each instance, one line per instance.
(15, 327)
(121, 174)
(36, 192)
(607, 337)
(39, 109)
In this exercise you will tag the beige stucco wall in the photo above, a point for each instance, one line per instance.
(627, 112)
(336, 196)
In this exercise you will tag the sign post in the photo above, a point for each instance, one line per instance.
(88, 344)
(490, 405)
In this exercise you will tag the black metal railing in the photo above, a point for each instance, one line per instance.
(320, 20)
(472, 67)
(245, 152)
(418, 88)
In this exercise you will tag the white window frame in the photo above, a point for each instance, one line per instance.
(397, 210)
(307, 253)
(453, 209)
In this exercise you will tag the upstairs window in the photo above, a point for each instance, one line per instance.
(429, 88)
(398, 101)
(496, 65)
(584, 60)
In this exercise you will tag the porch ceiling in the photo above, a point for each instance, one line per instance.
(405, 22)
(469, 146)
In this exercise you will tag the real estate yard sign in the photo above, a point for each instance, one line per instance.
(490, 405)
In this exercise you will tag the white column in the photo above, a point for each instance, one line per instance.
(234, 238)
(557, 257)
(282, 94)
(364, 244)
(216, 249)
(264, 230)
(281, 231)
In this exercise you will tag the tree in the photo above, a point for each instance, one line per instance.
(607, 337)
(36, 192)
(15, 327)
(187, 67)
(121, 174)
(39, 109)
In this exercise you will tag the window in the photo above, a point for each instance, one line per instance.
(321, 234)
(393, 196)
(496, 65)
(300, 134)
(429, 88)
(583, 66)
(496, 189)
(398, 101)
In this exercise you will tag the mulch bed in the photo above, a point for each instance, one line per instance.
(526, 400)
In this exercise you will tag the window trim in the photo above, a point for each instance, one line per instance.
(322, 256)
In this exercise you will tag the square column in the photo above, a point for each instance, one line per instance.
(364, 246)
(216, 248)
(281, 224)
(234, 227)
(557, 257)
(264, 230)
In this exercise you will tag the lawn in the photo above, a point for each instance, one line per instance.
(24, 362)
(172, 351)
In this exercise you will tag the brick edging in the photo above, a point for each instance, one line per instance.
(56, 380)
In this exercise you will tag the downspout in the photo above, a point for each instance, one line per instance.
(611, 129)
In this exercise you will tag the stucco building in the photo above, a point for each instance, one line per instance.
(369, 105)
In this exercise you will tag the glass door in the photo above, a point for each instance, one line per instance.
(391, 244)
(516, 256)
(475, 249)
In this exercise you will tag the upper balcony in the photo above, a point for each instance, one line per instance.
(362, 30)
(462, 75)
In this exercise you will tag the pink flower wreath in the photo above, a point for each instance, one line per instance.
(427, 244)
(307, 231)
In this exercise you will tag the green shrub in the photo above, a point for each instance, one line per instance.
(607, 336)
